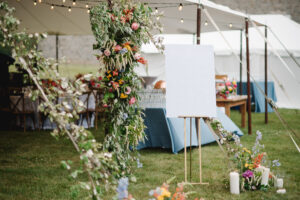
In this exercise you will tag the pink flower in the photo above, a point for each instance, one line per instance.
(137, 56)
(117, 48)
(135, 26)
(97, 85)
(105, 105)
(132, 101)
(235, 86)
(110, 89)
(107, 52)
(228, 83)
(227, 92)
(128, 90)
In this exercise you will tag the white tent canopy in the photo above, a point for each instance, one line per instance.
(41, 18)
(285, 29)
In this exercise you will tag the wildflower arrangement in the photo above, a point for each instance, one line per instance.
(226, 88)
(160, 193)
(250, 163)
(120, 28)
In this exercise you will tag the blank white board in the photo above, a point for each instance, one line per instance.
(190, 81)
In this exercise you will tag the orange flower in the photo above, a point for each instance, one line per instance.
(142, 60)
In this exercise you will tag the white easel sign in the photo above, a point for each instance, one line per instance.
(190, 81)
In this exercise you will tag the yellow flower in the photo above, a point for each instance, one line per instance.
(121, 81)
(127, 46)
(108, 71)
(246, 164)
(234, 82)
(108, 76)
(165, 193)
(230, 89)
(123, 96)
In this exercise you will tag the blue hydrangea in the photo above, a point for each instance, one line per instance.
(122, 188)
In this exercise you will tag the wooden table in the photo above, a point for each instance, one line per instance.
(240, 100)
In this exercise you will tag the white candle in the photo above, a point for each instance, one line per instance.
(279, 182)
(265, 176)
(234, 183)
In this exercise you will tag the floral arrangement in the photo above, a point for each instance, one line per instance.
(93, 82)
(225, 89)
(250, 163)
(120, 29)
(160, 193)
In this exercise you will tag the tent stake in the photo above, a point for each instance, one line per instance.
(266, 75)
(248, 78)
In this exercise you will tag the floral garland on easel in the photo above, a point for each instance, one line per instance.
(120, 29)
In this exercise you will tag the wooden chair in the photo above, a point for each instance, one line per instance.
(99, 108)
(90, 109)
(18, 108)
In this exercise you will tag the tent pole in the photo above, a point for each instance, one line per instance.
(248, 78)
(56, 50)
(198, 23)
(241, 65)
(266, 75)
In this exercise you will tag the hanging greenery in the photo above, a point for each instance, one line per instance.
(120, 29)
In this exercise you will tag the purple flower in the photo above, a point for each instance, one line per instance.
(122, 189)
(248, 174)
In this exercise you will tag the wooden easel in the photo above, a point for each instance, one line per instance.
(198, 129)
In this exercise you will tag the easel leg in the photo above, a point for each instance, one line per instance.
(185, 165)
(191, 129)
(199, 143)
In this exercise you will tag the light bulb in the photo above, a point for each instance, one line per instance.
(69, 9)
(64, 1)
(74, 3)
(40, 1)
(157, 18)
(86, 5)
(88, 11)
(181, 20)
(156, 10)
(34, 3)
(205, 23)
(52, 7)
(230, 25)
(180, 7)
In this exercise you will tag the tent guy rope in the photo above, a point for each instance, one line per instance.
(270, 101)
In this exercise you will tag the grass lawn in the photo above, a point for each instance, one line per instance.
(30, 164)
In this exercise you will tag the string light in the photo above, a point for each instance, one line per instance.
(86, 5)
(230, 25)
(156, 10)
(205, 23)
(180, 7)
(89, 10)
(34, 3)
(40, 1)
(63, 1)
(74, 3)
(69, 9)
(181, 20)
(157, 18)
(52, 7)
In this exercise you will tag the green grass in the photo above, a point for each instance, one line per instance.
(30, 164)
